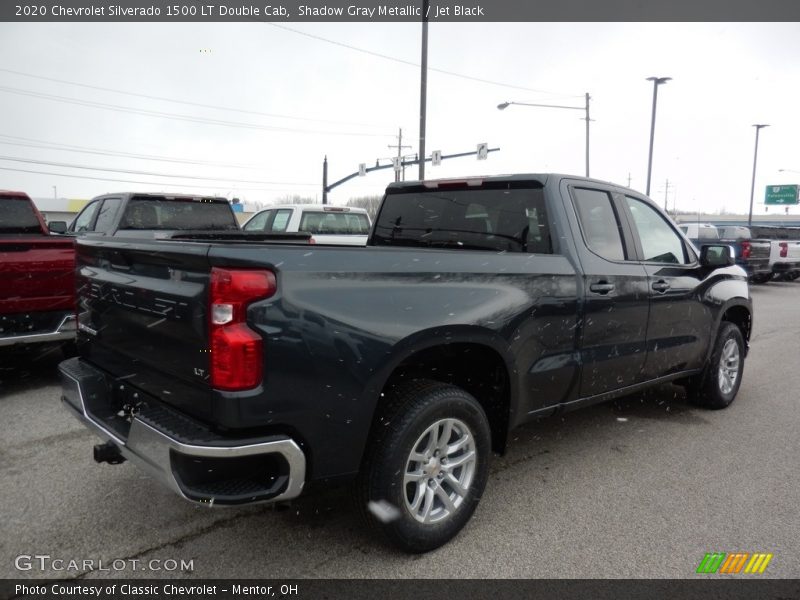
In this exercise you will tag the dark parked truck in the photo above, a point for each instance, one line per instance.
(239, 372)
(37, 277)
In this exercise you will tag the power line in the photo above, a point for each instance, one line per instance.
(186, 102)
(156, 183)
(177, 116)
(133, 172)
(104, 152)
(413, 64)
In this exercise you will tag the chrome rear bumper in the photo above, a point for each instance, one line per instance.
(177, 462)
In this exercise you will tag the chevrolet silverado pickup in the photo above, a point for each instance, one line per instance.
(37, 277)
(752, 253)
(784, 256)
(338, 225)
(237, 371)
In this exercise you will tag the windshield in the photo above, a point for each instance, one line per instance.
(178, 214)
(334, 223)
(17, 216)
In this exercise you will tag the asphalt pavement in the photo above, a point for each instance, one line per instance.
(640, 487)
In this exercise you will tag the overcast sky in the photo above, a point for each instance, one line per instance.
(327, 98)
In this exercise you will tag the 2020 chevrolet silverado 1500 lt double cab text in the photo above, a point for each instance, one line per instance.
(37, 277)
(239, 372)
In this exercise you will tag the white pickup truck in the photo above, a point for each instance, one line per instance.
(784, 256)
(339, 225)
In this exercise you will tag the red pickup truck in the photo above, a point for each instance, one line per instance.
(37, 279)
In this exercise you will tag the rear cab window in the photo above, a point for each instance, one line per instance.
(498, 219)
(17, 216)
(328, 222)
(174, 213)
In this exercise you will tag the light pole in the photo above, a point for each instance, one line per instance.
(758, 127)
(423, 88)
(55, 195)
(585, 108)
(657, 81)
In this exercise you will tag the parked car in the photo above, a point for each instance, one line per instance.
(37, 281)
(751, 254)
(339, 225)
(238, 373)
(133, 214)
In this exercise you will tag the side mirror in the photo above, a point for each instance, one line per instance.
(57, 226)
(713, 255)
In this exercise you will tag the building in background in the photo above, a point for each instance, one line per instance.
(59, 209)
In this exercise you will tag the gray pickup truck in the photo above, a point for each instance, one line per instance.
(132, 214)
(239, 371)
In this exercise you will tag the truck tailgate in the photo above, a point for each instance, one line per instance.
(143, 318)
(36, 273)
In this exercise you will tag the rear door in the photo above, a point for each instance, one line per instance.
(615, 292)
(679, 324)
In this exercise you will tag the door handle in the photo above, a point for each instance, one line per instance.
(602, 287)
(660, 286)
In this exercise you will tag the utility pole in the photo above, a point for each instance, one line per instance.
(629, 179)
(656, 82)
(758, 127)
(399, 147)
(666, 195)
(325, 180)
(587, 133)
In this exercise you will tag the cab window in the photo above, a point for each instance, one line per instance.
(660, 242)
(83, 222)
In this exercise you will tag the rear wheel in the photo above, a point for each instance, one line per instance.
(428, 460)
(717, 386)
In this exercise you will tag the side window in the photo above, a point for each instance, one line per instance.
(83, 221)
(107, 214)
(599, 223)
(660, 243)
(259, 222)
(281, 220)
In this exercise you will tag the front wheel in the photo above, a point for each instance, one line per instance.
(428, 459)
(717, 386)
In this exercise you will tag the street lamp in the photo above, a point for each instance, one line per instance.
(657, 81)
(585, 108)
(758, 127)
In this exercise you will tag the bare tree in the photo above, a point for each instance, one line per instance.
(369, 203)
(295, 199)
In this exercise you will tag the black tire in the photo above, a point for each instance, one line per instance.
(759, 279)
(710, 389)
(414, 411)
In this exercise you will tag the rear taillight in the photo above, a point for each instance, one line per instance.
(236, 350)
(784, 249)
(746, 250)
